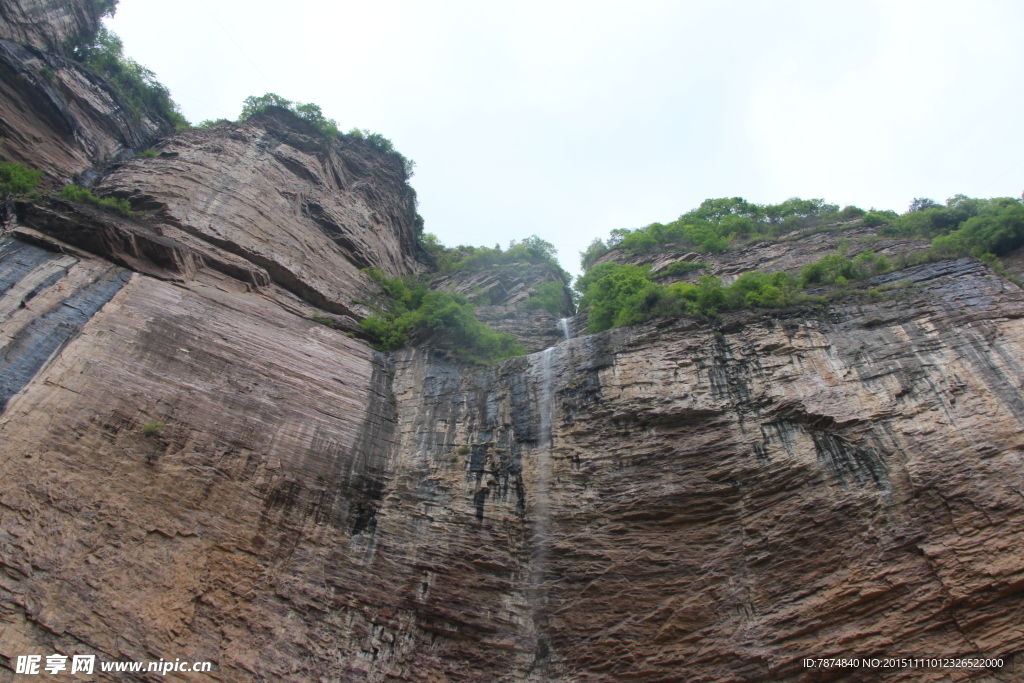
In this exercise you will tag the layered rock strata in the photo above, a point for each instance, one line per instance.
(50, 25)
(790, 253)
(57, 116)
(193, 469)
(274, 192)
(663, 502)
(502, 292)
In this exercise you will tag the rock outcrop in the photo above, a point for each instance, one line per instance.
(58, 116)
(191, 468)
(49, 25)
(274, 192)
(502, 292)
(790, 253)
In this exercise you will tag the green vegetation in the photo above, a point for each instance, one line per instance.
(146, 154)
(153, 428)
(615, 294)
(323, 320)
(312, 114)
(18, 178)
(680, 268)
(85, 196)
(447, 318)
(532, 250)
(549, 296)
(712, 227)
(964, 226)
(207, 124)
(142, 94)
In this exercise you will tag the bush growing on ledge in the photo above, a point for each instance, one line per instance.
(448, 319)
(153, 428)
(137, 85)
(549, 296)
(313, 114)
(323, 320)
(615, 294)
(207, 124)
(85, 196)
(18, 179)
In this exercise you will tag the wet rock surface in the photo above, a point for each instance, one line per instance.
(202, 472)
(502, 292)
(190, 467)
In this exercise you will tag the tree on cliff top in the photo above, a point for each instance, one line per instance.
(313, 114)
(142, 94)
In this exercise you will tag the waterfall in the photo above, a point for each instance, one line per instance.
(538, 592)
(563, 325)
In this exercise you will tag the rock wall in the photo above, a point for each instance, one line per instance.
(200, 448)
(717, 505)
(191, 468)
(501, 290)
(198, 471)
(276, 193)
(58, 116)
(790, 253)
(50, 25)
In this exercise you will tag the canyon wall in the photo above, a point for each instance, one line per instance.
(50, 25)
(193, 468)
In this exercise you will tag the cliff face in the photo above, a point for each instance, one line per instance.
(191, 468)
(275, 193)
(49, 25)
(790, 253)
(502, 292)
(55, 114)
(624, 506)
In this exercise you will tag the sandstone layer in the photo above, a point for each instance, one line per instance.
(275, 192)
(50, 25)
(790, 253)
(193, 469)
(696, 504)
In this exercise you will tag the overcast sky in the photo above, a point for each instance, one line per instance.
(569, 119)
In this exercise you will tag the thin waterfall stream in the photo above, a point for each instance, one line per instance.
(544, 363)
(563, 325)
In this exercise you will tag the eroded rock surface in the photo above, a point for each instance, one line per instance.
(502, 292)
(50, 25)
(791, 253)
(276, 193)
(201, 472)
(191, 468)
(57, 116)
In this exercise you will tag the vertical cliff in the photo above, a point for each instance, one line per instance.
(51, 25)
(193, 468)
(56, 114)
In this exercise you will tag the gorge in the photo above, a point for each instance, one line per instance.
(194, 467)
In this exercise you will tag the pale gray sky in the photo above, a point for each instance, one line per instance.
(569, 119)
